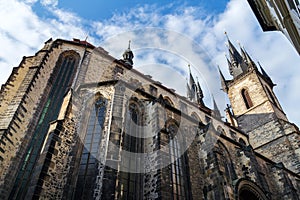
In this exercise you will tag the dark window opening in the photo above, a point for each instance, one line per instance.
(246, 98)
(248, 195)
(241, 141)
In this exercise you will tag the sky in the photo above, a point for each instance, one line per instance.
(166, 36)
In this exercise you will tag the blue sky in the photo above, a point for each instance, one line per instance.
(99, 9)
(166, 37)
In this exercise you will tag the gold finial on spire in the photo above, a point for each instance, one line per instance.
(226, 35)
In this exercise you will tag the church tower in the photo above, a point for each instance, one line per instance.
(257, 111)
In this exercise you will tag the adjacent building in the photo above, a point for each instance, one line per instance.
(77, 123)
(281, 15)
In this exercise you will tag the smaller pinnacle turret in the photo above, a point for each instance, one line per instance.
(247, 59)
(194, 91)
(199, 93)
(128, 55)
(216, 111)
(266, 76)
(192, 86)
(223, 81)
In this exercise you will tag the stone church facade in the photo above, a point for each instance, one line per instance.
(76, 123)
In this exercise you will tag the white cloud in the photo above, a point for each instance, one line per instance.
(22, 32)
(52, 3)
(271, 49)
(31, 1)
(176, 39)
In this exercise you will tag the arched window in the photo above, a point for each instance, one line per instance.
(131, 181)
(248, 190)
(225, 164)
(176, 164)
(88, 165)
(246, 98)
(168, 101)
(175, 177)
(59, 83)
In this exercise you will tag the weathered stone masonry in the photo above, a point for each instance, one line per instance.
(112, 121)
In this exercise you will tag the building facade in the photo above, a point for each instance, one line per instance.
(76, 123)
(281, 15)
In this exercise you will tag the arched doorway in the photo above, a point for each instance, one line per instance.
(248, 190)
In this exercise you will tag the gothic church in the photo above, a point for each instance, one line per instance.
(76, 123)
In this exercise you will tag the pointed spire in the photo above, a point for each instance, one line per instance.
(223, 81)
(264, 73)
(235, 56)
(247, 59)
(237, 64)
(216, 111)
(230, 66)
(188, 92)
(244, 54)
(192, 85)
(128, 55)
(199, 93)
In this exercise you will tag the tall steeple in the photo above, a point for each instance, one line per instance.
(256, 110)
(237, 65)
(128, 55)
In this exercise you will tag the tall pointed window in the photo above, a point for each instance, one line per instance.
(59, 83)
(246, 98)
(175, 177)
(88, 165)
(133, 143)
